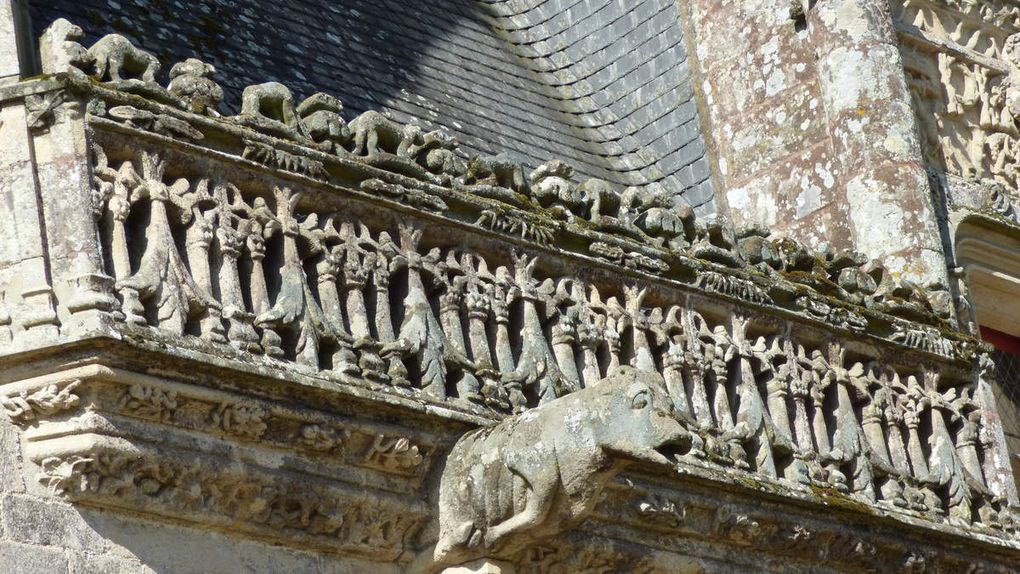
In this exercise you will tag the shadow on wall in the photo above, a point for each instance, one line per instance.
(119, 544)
(365, 53)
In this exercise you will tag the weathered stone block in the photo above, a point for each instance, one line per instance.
(48, 523)
(27, 559)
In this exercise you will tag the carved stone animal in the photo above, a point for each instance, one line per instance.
(321, 120)
(374, 132)
(600, 199)
(496, 170)
(540, 472)
(551, 185)
(60, 50)
(271, 100)
(116, 57)
(438, 156)
(191, 81)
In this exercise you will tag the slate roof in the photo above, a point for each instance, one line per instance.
(602, 84)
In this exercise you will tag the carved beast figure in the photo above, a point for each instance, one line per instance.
(191, 82)
(271, 100)
(497, 170)
(540, 472)
(60, 50)
(117, 56)
(321, 121)
(374, 132)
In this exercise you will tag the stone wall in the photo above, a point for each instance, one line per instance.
(809, 111)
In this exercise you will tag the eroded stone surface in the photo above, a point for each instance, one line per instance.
(287, 326)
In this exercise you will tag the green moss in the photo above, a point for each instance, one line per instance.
(837, 499)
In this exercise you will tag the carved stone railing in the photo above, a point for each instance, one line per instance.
(375, 260)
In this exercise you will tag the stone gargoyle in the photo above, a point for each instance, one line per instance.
(540, 473)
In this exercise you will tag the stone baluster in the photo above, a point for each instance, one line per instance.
(262, 226)
(421, 334)
(327, 270)
(800, 389)
(849, 439)
(674, 363)
(968, 440)
(564, 334)
(450, 303)
(119, 185)
(821, 381)
(946, 470)
(293, 308)
(395, 368)
(752, 419)
(698, 352)
(357, 265)
(477, 296)
(611, 333)
(230, 240)
(916, 402)
(873, 424)
(505, 293)
(895, 420)
(914, 406)
(162, 277)
(777, 389)
(801, 380)
(537, 368)
(643, 358)
(721, 352)
(328, 273)
(588, 337)
(198, 238)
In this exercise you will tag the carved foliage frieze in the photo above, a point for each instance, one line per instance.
(242, 499)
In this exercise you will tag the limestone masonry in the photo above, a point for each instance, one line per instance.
(510, 286)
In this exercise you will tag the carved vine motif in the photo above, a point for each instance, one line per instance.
(26, 407)
(149, 402)
(247, 421)
(394, 455)
(249, 499)
(323, 438)
(965, 86)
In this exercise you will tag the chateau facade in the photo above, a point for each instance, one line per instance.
(510, 286)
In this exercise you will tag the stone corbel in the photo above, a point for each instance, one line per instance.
(525, 480)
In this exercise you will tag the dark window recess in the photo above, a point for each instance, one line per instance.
(1007, 365)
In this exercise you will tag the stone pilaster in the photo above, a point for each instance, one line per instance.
(868, 106)
(813, 128)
